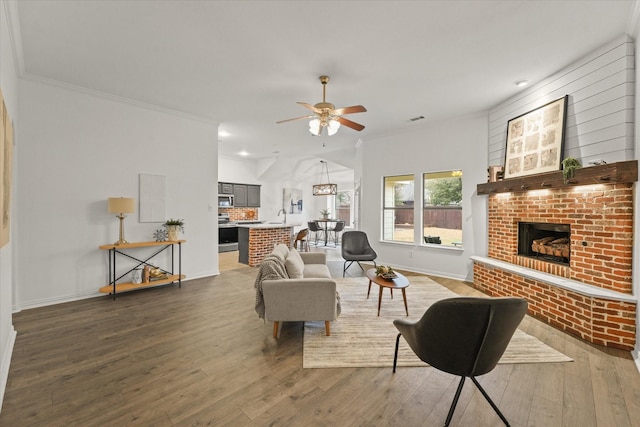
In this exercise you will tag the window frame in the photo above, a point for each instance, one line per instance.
(454, 244)
(389, 212)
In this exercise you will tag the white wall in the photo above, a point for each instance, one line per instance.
(78, 149)
(9, 86)
(450, 145)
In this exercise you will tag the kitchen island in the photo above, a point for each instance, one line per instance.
(255, 241)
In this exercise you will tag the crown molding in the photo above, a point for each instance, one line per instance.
(15, 34)
(116, 98)
(13, 22)
(633, 24)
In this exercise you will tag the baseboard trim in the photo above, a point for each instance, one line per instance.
(6, 363)
(82, 295)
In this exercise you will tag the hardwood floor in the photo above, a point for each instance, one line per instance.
(200, 356)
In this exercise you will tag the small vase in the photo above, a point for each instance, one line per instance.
(172, 232)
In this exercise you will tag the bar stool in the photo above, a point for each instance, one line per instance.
(302, 238)
(315, 229)
(335, 230)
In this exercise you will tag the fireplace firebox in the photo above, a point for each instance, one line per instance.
(547, 241)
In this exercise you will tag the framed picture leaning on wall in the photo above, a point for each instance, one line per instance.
(535, 140)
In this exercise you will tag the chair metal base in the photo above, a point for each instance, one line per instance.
(458, 391)
(345, 267)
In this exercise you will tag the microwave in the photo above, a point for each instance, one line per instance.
(225, 201)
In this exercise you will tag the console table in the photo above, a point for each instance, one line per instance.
(122, 250)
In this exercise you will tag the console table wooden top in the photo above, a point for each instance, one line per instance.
(139, 244)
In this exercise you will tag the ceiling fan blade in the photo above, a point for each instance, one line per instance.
(310, 107)
(350, 124)
(349, 110)
(296, 118)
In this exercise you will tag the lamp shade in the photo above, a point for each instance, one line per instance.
(122, 205)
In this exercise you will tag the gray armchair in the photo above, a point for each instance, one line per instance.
(463, 336)
(356, 248)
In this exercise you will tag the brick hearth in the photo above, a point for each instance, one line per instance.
(594, 300)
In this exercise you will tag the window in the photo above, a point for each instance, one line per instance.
(442, 208)
(397, 221)
(343, 207)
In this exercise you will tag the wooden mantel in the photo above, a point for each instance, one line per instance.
(613, 173)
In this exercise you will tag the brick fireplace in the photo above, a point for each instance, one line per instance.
(590, 294)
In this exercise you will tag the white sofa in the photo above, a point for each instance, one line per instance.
(296, 286)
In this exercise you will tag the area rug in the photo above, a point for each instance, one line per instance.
(359, 338)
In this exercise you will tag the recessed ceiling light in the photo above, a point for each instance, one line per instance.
(243, 153)
(223, 133)
(521, 83)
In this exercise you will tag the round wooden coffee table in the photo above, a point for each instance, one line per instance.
(400, 282)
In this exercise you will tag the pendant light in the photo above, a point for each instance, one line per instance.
(327, 189)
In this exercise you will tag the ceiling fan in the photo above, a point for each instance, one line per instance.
(326, 115)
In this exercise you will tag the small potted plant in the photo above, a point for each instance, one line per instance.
(174, 226)
(325, 213)
(569, 166)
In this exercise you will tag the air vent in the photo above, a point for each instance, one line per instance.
(415, 119)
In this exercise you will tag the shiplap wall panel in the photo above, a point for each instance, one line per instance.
(600, 110)
(566, 82)
(601, 65)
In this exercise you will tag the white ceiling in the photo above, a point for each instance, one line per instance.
(246, 63)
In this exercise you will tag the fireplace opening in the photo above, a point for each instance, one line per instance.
(547, 241)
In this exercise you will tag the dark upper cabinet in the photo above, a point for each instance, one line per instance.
(253, 196)
(225, 188)
(239, 195)
(244, 195)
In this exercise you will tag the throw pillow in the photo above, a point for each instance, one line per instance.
(294, 265)
(282, 251)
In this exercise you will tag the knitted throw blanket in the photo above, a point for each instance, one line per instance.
(271, 268)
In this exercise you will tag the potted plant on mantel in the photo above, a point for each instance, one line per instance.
(325, 213)
(174, 226)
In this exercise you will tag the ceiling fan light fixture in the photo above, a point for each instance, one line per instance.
(326, 115)
(314, 127)
(333, 127)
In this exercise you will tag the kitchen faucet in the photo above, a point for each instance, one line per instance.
(285, 215)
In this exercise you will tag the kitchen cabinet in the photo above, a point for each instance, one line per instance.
(244, 195)
(253, 196)
(240, 195)
(225, 188)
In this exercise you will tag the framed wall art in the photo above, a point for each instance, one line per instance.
(535, 140)
(152, 197)
(292, 200)
(6, 146)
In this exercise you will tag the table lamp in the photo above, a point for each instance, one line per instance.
(121, 206)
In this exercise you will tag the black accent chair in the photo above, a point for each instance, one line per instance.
(463, 336)
(356, 248)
